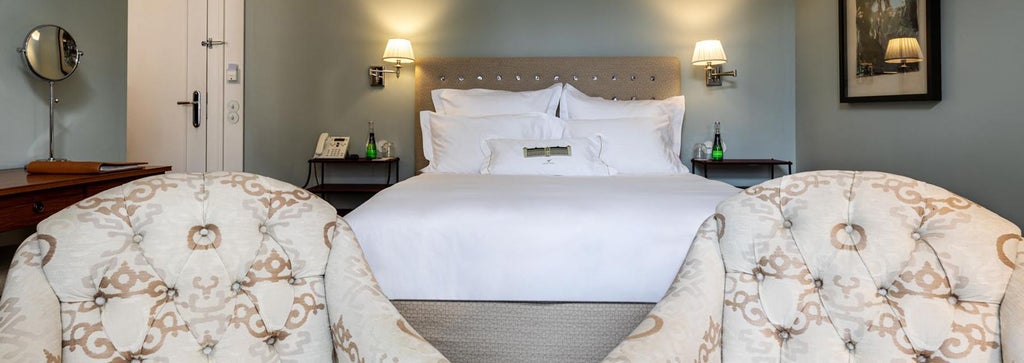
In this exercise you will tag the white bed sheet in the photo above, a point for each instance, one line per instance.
(533, 238)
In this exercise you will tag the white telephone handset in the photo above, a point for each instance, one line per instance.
(331, 147)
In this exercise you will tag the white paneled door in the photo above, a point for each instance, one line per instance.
(185, 62)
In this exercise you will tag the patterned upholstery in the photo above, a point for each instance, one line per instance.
(838, 266)
(186, 268)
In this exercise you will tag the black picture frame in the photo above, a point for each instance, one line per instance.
(863, 75)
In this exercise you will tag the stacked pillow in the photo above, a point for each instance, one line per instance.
(503, 132)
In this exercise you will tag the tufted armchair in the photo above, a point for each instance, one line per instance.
(838, 266)
(222, 267)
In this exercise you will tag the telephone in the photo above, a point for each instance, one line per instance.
(331, 147)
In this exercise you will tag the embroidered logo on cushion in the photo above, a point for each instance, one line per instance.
(548, 151)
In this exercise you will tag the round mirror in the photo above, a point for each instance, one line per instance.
(51, 53)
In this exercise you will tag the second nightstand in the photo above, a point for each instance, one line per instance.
(770, 163)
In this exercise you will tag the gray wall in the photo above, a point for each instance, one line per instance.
(307, 64)
(90, 119)
(969, 143)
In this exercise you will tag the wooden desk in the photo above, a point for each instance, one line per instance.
(26, 199)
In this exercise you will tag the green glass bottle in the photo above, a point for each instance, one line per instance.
(371, 144)
(717, 154)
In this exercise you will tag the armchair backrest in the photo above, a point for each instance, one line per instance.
(177, 268)
(837, 266)
(828, 264)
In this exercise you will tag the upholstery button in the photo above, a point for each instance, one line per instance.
(272, 341)
(883, 291)
(236, 286)
(921, 358)
(849, 228)
(137, 238)
(818, 283)
(787, 224)
(850, 346)
(953, 299)
(916, 236)
(172, 293)
(204, 232)
(292, 280)
(208, 350)
(784, 335)
(263, 229)
(100, 301)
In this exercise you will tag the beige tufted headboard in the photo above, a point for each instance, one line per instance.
(609, 77)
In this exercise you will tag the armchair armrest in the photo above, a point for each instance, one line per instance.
(30, 328)
(364, 324)
(686, 324)
(1011, 312)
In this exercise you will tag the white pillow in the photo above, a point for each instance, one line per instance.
(456, 140)
(483, 102)
(508, 157)
(577, 105)
(635, 145)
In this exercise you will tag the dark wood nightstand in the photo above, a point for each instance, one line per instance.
(770, 163)
(322, 187)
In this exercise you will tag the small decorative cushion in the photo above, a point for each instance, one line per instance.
(568, 157)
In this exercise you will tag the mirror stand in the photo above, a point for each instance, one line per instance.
(53, 102)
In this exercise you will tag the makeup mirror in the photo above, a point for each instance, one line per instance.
(51, 54)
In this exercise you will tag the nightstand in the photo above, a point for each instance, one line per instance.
(770, 163)
(323, 188)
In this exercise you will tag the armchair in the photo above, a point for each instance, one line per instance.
(837, 266)
(195, 268)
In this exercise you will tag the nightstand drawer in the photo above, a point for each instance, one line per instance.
(26, 210)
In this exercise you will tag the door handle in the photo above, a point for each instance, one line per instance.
(197, 106)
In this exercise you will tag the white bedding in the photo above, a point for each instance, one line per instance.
(533, 238)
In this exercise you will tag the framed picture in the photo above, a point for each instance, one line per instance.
(889, 51)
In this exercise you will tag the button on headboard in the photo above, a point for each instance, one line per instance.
(622, 78)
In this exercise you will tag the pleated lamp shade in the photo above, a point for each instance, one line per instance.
(708, 51)
(902, 50)
(398, 50)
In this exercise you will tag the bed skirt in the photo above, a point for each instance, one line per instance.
(522, 331)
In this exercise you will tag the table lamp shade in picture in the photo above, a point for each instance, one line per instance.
(903, 50)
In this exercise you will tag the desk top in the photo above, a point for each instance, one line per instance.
(15, 181)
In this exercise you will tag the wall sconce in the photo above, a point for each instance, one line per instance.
(709, 53)
(902, 51)
(397, 51)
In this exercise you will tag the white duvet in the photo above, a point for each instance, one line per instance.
(533, 238)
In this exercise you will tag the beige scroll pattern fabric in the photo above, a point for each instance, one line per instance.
(839, 266)
(366, 327)
(222, 267)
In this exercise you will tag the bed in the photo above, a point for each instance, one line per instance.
(514, 267)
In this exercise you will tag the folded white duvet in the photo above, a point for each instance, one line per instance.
(533, 238)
